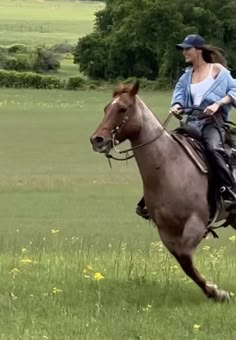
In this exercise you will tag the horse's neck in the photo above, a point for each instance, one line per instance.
(153, 155)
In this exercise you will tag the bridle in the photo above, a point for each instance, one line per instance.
(115, 142)
(117, 129)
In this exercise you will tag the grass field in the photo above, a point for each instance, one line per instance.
(75, 260)
(76, 263)
(45, 22)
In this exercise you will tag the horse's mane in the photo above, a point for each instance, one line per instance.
(122, 88)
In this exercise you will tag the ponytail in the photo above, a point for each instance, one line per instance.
(212, 54)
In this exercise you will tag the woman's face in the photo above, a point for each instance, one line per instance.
(191, 54)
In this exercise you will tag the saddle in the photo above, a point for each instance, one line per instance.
(190, 140)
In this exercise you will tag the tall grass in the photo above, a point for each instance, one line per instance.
(76, 263)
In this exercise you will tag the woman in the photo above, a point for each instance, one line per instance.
(207, 84)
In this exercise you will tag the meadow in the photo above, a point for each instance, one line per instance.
(45, 22)
(76, 262)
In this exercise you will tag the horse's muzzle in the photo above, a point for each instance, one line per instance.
(101, 144)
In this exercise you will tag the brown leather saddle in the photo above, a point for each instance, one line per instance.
(193, 149)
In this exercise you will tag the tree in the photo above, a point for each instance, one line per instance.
(138, 37)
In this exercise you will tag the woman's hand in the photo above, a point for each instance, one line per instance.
(176, 111)
(211, 109)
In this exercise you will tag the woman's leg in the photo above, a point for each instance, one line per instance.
(213, 138)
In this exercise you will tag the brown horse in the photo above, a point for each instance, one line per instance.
(175, 191)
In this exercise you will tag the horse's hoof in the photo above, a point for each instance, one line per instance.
(221, 296)
(216, 294)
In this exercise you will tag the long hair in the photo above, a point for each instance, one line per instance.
(212, 54)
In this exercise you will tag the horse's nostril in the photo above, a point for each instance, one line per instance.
(99, 140)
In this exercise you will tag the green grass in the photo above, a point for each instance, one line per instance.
(63, 209)
(68, 69)
(48, 22)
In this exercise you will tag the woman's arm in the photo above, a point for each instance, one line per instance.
(230, 97)
(225, 101)
(179, 94)
(231, 93)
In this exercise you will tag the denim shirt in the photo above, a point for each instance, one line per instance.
(223, 85)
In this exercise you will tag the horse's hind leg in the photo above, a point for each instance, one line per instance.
(183, 249)
(210, 290)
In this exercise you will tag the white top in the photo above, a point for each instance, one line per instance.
(199, 89)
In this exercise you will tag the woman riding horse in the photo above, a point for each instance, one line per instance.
(207, 84)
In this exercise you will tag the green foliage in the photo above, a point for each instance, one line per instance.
(19, 62)
(17, 48)
(3, 54)
(20, 58)
(28, 80)
(45, 60)
(138, 37)
(91, 55)
(75, 83)
(3, 49)
(62, 48)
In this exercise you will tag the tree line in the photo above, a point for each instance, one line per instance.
(138, 37)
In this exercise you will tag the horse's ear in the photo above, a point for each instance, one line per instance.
(134, 89)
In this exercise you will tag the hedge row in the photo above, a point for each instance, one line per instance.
(33, 80)
(28, 80)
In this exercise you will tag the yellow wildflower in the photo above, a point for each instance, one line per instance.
(232, 238)
(24, 250)
(174, 269)
(56, 290)
(206, 248)
(147, 308)
(55, 231)
(196, 327)
(98, 276)
(26, 261)
(231, 294)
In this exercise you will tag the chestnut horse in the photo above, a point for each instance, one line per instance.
(175, 191)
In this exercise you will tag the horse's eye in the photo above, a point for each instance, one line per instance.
(123, 109)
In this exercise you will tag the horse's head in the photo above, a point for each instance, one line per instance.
(121, 121)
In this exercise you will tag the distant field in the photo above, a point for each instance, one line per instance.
(45, 22)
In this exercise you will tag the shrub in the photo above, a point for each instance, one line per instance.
(63, 48)
(28, 80)
(19, 62)
(45, 60)
(74, 83)
(17, 48)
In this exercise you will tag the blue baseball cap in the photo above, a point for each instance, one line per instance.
(192, 40)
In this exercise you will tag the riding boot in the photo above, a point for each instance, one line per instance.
(141, 209)
(213, 138)
(225, 176)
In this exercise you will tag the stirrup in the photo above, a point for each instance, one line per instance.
(228, 194)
